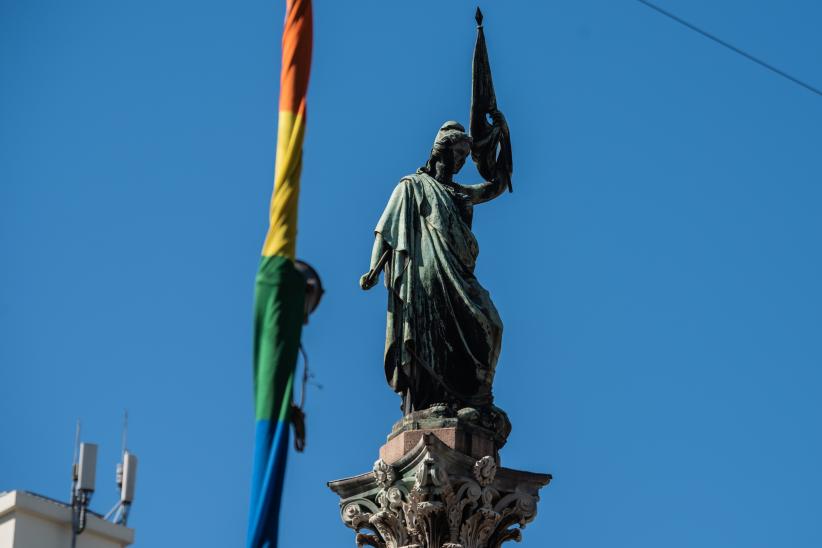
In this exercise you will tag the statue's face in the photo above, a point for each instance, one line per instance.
(461, 152)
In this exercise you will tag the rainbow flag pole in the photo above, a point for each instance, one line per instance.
(279, 297)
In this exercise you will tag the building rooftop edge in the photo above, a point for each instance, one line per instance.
(60, 512)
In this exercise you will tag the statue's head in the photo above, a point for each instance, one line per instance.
(451, 147)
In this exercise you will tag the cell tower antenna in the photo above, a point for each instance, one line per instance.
(76, 442)
(125, 432)
(75, 456)
(126, 476)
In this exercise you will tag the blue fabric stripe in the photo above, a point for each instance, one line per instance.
(270, 452)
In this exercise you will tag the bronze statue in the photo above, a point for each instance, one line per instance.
(439, 481)
(443, 331)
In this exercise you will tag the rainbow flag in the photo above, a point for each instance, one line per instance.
(279, 297)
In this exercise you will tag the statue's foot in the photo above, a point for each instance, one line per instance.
(468, 414)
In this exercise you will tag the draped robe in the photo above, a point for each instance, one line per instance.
(443, 331)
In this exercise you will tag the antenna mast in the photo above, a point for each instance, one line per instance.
(74, 457)
(126, 476)
(125, 431)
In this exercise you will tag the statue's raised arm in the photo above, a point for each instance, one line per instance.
(501, 180)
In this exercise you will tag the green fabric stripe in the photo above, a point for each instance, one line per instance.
(279, 301)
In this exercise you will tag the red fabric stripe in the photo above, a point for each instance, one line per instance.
(297, 37)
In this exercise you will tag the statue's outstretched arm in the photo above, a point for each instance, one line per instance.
(486, 191)
(489, 190)
(379, 255)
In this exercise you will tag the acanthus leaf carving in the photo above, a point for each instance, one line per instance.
(444, 507)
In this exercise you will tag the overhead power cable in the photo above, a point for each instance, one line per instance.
(731, 47)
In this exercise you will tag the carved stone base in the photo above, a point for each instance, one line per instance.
(435, 496)
(456, 437)
(490, 422)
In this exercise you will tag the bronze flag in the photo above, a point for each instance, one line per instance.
(491, 150)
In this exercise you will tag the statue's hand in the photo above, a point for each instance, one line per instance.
(368, 280)
(498, 118)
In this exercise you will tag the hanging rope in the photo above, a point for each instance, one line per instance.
(298, 411)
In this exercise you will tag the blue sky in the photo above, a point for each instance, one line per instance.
(657, 267)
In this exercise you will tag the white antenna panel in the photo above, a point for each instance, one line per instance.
(87, 467)
(129, 478)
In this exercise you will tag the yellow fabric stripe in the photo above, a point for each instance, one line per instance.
(282, 226)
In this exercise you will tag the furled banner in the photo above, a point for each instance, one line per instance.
(279, 297)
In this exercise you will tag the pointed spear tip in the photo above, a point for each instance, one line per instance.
(478, 17)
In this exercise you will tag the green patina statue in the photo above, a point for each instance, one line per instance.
(438, 481)
(444, 333)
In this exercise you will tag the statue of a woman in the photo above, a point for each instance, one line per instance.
(444, 334)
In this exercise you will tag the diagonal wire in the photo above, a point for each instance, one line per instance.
(732, 47)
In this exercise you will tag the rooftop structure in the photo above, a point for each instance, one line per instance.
(28, 520)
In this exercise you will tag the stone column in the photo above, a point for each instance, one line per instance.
(438, 484)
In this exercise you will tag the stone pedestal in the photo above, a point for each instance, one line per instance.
(473, 432)
(439, 485)
(455, 438)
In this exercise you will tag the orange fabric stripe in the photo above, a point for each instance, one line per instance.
(297, 37)
(282, 229)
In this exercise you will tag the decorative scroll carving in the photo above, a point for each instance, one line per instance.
(441, 501)
(384, 474)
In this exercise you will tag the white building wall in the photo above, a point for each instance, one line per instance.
(31, 521)
(6, 530)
